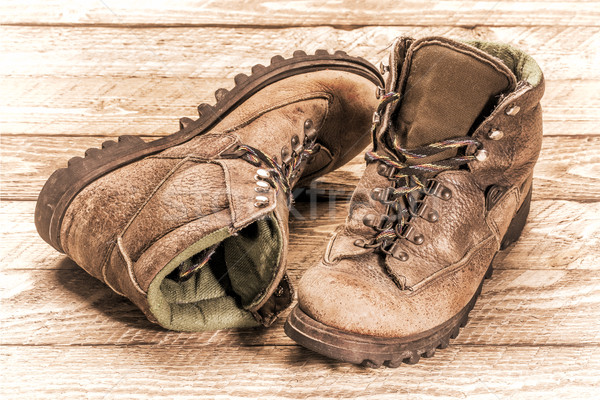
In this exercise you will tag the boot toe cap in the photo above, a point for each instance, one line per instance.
(367, 303)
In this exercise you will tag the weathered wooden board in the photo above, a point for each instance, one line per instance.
(68, 307)
(151, 105)
(558, 235)
(347, 14)
(568, 168)
(290, 372)
(562, 52)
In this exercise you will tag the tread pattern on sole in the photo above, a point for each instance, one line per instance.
(81, 169)
(407, 355)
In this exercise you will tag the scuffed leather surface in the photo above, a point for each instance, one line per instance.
(356, 295)
(512, 158)
(126, 226)
(361, 291)
(461, 226)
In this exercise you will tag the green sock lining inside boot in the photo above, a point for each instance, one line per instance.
(521, 64)
(218, 295)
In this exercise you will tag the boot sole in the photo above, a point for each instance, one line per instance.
(65, 183)
(372, 351)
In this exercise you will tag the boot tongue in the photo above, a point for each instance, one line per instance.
(445, 88)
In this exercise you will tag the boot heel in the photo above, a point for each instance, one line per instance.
(517, 224)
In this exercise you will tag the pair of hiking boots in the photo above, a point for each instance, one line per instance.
(193, 227)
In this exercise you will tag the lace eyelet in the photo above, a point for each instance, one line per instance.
(397, 252)
(261, 201)
(481, 155)
(383, 195)
(438, 190)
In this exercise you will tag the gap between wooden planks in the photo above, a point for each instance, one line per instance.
(68, 307)
(568, 167)
(558, 235)
(276, 372)
(343, 14)
(108, 105)
(562, 52)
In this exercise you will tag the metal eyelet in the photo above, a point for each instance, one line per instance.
(481, 155)
(427, 213)
(261, 201)
(310, 133)
(495, 134)
(286, 157)
(262, 186)
(397, 252)
(379, 91)
(382, 194)
(512, 110)
(296, 145)
(410, 235)
(262, 174)
(438, 190)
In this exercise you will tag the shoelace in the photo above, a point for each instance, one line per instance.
(279, 178)
(411, 182)
(281, 174)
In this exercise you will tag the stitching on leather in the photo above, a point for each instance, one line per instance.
(127, 260)
(227, 144)
(287, 102)
(139, 210)
(228, 190)
(450, 269)
(471, 52)
(183, 222)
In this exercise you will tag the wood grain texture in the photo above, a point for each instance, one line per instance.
(568, 168)
(290, 372)
(558, 235)
(66, 306)
(347, 13)
(562, 52)
(74, 74)
(151, 105)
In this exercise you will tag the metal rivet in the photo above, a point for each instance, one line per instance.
(418, 239)
(376, 118)
(496, 134)
(295, 140)
(308, 124)
(446, 194)
(433, 216)
(513, 109)
(481, 155)
(262, 174)
(261, 201)
(262, 187)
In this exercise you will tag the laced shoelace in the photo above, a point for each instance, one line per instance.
(411, 180)
(280, 175)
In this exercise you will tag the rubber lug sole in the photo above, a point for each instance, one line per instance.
(65, 183)
(372, 351)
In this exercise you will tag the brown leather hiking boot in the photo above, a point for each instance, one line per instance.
(447, 185)
(193, 227)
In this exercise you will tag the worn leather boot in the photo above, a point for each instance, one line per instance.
(446, 186)
(193, 227)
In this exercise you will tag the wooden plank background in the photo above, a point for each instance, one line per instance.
(74, 74)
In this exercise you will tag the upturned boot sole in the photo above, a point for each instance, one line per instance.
(372, 351)
(65, 183)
